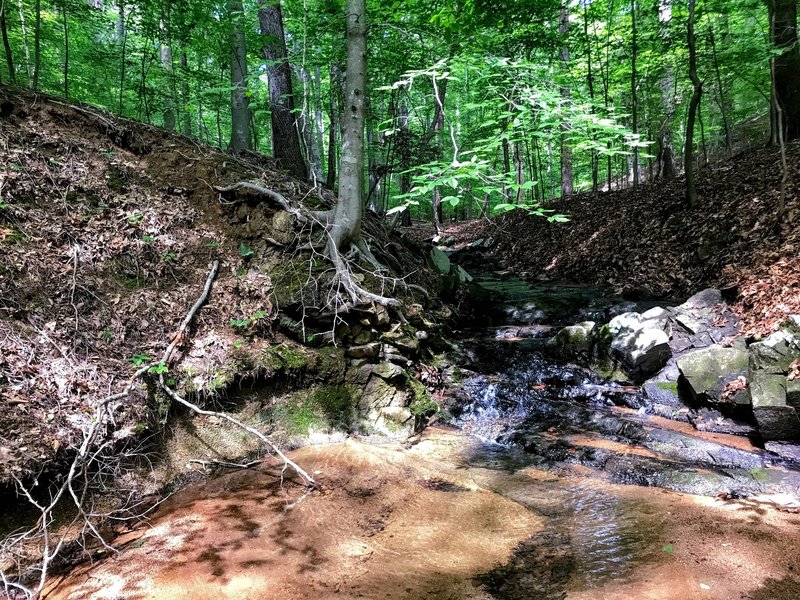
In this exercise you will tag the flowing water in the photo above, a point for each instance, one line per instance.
(521, 496)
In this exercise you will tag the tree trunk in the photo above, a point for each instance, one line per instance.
(691, 190)
(308, 126)
(65, 23)
(6, 44)
(666, 152)
(634, 100)
(783, 33)
(590, 83)
(720, 92)
(403, 144)
(346, 228)
(37, 43)
(240, 109)
(566, 150)
(165, 53)
(122, 40)
(27, 52)
(439, 96)
(334, 108)
(285, 136)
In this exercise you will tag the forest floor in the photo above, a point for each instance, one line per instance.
(647, 242)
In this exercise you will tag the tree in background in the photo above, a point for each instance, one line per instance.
(285, 137)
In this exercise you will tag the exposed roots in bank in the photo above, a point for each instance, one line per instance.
(93, 464)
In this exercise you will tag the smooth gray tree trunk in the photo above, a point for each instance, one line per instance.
(240, 106)
(346, 228)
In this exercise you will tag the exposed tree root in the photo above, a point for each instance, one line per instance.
(82, 479)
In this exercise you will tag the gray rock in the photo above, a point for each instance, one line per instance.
(793, 393)
(389, 371)
(655, 313)
(364, 351)
(573, 340)
(784, 450)
(644, 351)
(775, 352)
(792, 324)
(777, 423)
(708, 371)
(690, 323)
(706, 299)
(440, 261)
(767, 389)
(625, 323)
(476, 243)
(776, 420)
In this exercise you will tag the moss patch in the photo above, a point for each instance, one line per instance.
(422, 404)
(325, 408)
(670, 386)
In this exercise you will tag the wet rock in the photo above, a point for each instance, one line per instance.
(713, 421)
(708, 298)
(364, 351)
(707, 372)
(662, 392)
(784, 450)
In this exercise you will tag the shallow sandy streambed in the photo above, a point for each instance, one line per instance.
(449, 517)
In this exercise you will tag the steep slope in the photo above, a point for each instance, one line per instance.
(648, 241)
(108, 228)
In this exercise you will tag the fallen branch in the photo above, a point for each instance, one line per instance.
(272, 194)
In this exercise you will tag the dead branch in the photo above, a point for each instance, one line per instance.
(265, 191)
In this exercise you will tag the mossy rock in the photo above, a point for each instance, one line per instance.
(330, 407)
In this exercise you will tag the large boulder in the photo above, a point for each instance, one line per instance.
(643, 350)
(574, 340)
(708, 372)
(775, 397)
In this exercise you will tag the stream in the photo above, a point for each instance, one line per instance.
(546, 482)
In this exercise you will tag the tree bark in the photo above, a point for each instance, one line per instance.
(783, 33)
(6, 44)
(240, 108)
(666, 152)
(285, 135)
(566, 150)
(37, 43)
(439, 96)
(634, 99)
(403, 144)
(346, 227)
(691, 190)
(723, 109)
(335, 89)
(165, 54)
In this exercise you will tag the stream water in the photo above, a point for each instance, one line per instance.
(541, 487)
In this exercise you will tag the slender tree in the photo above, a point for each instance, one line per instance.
(691, 190)
(666, 152)
(566, 150)
(786, 63)
(240, 109)
(285, 135)
(6, 44)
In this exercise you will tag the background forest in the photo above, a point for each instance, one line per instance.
(475, 105)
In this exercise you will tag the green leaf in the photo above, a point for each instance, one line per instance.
(245, 251)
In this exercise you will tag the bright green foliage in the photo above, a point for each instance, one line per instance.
(509, 99)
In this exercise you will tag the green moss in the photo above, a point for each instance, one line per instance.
(670, 386)
(327, 407)
(15, 237)
(422, 404)
(282, 356)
